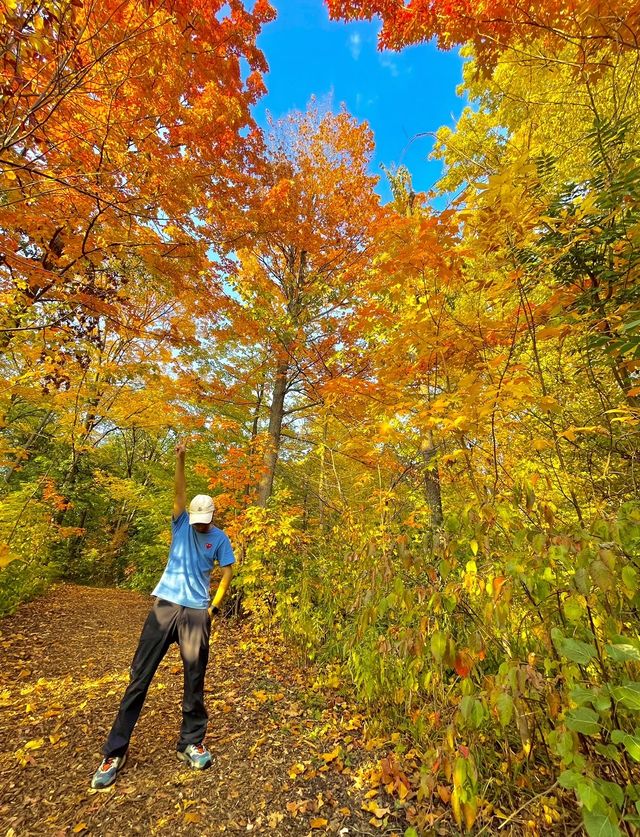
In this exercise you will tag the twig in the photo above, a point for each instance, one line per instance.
(511, 817)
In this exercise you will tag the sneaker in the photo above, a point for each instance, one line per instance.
(106, 774)
(196, 755)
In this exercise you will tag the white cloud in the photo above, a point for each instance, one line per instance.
(355, 45)
(388, 63)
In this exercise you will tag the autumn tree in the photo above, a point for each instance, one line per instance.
(107, 154)
(590, 30)
(302, 249)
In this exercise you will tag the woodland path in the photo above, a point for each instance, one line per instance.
(286, 754)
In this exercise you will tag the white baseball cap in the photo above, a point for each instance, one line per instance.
(201, 509)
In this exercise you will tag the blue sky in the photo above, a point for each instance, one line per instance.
(399, 94)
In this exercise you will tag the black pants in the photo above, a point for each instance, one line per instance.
(166, 623)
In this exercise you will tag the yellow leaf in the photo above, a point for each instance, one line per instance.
(6, 559)
(81, 826)
(192, 817)
(35, 744)
(274, 819)
(258, 743)
(469, 812)
(296, 769)
(319, 822)
(332, 755)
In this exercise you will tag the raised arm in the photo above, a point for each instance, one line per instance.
(179, 484)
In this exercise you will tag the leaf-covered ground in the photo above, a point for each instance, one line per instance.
(289, 753)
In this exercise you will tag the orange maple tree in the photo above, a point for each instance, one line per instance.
(302, 248)
(124, 131)
(492, 25)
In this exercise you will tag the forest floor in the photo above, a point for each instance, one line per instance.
(289, 750)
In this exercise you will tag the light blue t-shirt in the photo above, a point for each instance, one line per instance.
(185, 580)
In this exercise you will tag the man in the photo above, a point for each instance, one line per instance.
(180, 614)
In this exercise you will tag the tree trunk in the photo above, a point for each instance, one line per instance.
(276, 414)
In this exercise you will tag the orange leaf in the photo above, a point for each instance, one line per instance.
(444, 793)
(192, 817)
(319, 822)
(498, 584)
(463, 664)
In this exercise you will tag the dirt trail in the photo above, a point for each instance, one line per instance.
(281, 763)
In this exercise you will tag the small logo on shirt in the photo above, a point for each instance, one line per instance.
(208, 545)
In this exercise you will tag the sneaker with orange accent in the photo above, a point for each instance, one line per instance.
(196, 755)
(106, 774)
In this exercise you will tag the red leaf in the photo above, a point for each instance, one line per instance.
(463, 664)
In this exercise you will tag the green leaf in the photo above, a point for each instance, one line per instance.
(601, 575)
(588, 795)
(622, 652)
(504, 705)
(573, 609)
(582, 581)
(466, 706)
(411, 832)
(573, 649)
(630, 578)
(583, 720)
(569, 779)
(612, 791)
(609, 751)
(628, 695)
(598, 698)
(582, 696)
(631, 743)
(565, 746)
(438, 645)
(598, 824)
(629, 526)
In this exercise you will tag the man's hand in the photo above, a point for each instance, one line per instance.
(181, 448)
(214, 610)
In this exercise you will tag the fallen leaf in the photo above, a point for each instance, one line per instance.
(274, 819)
(192, 816)
(319, 822)
(296, 769)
